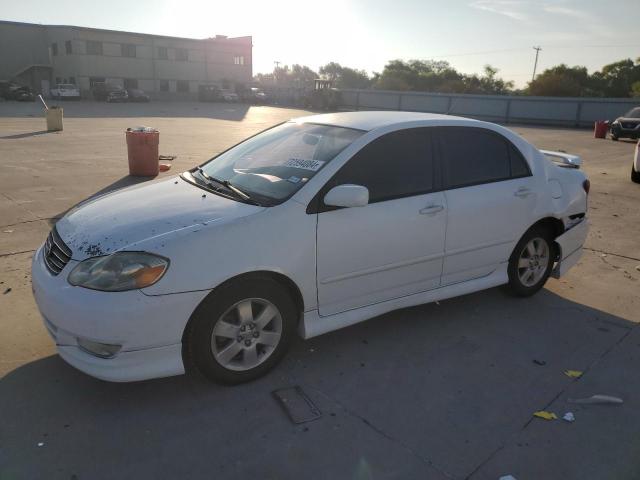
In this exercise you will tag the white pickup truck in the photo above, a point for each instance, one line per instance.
(65, 91)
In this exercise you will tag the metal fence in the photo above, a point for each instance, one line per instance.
(566, 111)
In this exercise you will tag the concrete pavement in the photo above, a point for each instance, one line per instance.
(440, 391)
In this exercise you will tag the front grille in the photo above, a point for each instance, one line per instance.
(629, 125)
(56, 253)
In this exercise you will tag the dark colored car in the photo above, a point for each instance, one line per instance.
(627, 126)
(209, 93)
(136, 95)
(13, 91)
(116, 96)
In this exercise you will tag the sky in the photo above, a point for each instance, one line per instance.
(366, 34)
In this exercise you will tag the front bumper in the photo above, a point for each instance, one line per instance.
(622, 132)
(149, 328)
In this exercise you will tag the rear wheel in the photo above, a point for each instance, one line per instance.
(531, 262)
(242, 330)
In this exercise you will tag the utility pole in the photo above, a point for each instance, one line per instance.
(535, 65)
(277, 63)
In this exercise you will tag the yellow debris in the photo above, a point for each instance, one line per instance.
(573, 373)
(545, 415)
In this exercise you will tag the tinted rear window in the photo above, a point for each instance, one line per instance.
(472, 156)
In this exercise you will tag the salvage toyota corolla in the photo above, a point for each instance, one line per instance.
(310, 226)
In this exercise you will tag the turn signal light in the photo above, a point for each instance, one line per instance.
(587, 186)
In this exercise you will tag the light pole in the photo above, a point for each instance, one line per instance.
(535, 65)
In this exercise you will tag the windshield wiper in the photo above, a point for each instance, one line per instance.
(226, 183)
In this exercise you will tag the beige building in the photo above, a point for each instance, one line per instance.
(43, 55)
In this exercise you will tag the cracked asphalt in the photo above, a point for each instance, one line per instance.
(439, 391)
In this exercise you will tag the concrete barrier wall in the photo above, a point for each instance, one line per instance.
(575, 112)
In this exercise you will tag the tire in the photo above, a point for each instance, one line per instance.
(539, 266)
(246, 344)
(635, 176)
(614, 137)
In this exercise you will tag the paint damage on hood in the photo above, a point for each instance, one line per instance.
(123, 218)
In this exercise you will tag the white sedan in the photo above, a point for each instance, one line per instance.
(310, 226)
(65, 91)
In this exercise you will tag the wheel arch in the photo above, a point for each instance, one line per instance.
(555, 225)
(287, 283)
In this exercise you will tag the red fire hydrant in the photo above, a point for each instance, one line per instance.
(142, 150)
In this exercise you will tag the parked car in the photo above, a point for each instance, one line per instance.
(118, 96)
(635, 166)
(137, 95)
(627, 126)
(65, 91)
(209, 93)
(312, 225)
(256, 96)
(15, 91)
(228, 95)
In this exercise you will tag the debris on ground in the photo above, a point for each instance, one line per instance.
(165, 167)
(166, 158)
(597, 399)
(539, 362)
(7, 231)
(41, 444)
(7, 291)
(297, 404)
(545, 415)
(573, 373)
(569, 417)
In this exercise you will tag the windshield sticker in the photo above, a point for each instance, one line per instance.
(313, 165)
(294, 179)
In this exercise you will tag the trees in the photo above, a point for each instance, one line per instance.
(618, 79)
(561, 81)
(345, 77)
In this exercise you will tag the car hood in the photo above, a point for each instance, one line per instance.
(119, 220)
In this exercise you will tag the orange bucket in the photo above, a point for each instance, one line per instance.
(142, 150)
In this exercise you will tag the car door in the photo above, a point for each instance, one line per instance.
(490, 197)
(393, 246)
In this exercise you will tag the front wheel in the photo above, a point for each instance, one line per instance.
(241, 330)
(531, 262)
(635, 176)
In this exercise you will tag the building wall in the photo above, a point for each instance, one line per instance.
(213, 60)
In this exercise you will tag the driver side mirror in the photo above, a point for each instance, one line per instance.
(347, 196)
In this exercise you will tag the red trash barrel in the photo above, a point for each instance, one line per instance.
(142, 149)
(600, 129)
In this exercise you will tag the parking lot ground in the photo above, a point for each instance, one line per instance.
(439, 391)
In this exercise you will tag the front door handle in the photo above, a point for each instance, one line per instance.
(523, 192)
(431, 209)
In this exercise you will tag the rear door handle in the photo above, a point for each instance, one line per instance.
(523, 192)
(431, 209)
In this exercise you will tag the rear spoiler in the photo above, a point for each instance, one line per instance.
(563, 159)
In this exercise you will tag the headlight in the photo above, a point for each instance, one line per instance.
(119, 271)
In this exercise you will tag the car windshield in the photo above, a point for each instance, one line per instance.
(633, 113)
(276, 163)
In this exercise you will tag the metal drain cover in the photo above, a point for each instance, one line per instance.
(297, 404)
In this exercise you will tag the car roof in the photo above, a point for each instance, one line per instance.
(371, 120)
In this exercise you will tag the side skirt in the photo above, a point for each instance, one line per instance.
(313, 324)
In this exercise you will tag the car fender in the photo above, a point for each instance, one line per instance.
(205, 256)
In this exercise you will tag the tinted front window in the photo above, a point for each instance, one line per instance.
(471, 156)
(395, 165)
(276, 163)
